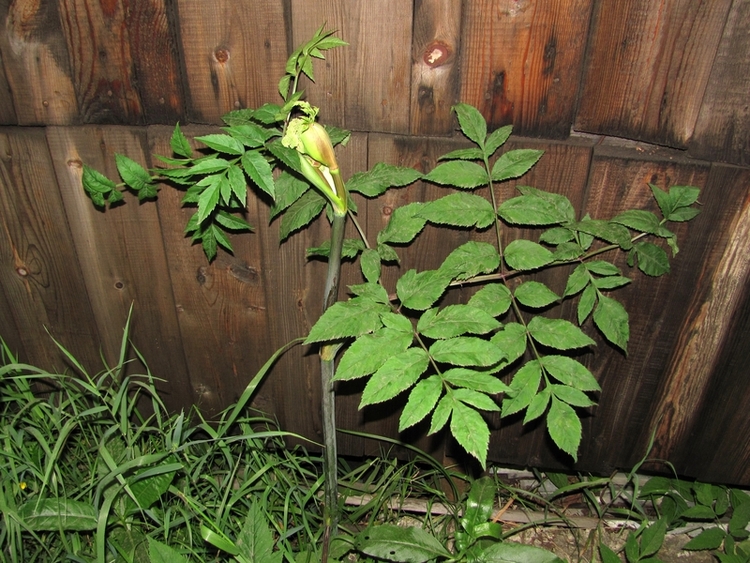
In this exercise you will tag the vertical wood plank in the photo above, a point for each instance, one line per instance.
(234, 54)
(648, 67)
(365, 86)
(35, 57)
(521, 62)
(720, 259)
(40, 276)
(7, 110)
(435, 77)
(122, 255)
(723, 128)
(101, 61)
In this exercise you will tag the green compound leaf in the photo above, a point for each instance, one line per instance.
(372, 290)
(396, 543)
(535, 294)
(369, 352)
(564, 427)
(422, 401)
(511, 340)
(606, 231)
(208, 201)
(469, 260)
(612, 319)
(238, 185)
(558, 334)
(523, 388)
(132, 173)
(524, 254)
(586, 303)
(475, 399)
(497, 139)
(494, 299)
(472, 123)
(538, 208)
(249, 134)
(301, 213)
(611, 282)
(222, 143)
(288, 189)
(350, 249)
(602, 268)
(370, 264)
(405, 224)
(208, 166)
(471, 431)
(347, 319)
(639, 220)
(459, 209)
(419, 291)
(382, 176)
(397, 374)
(476, 380)
(456, 320)
(652, 260)
(260, 172)
(574, 397)
(710, 538)
(466, 351)
(97, 185)
(179, 143)
(570, 372)
(538, 405)
(472, 153)
(577, 281)
(441, 414)
(459, 173)
(397, 322)
(255, 540)
(515, 163)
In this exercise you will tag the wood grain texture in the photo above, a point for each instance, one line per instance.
(101, 61)
(648, 67)
(36, 61)
(121, 254)
(436, 44)
(689, 403)
(40, 276)
(521, 62)
(234, 54)
(7, 110)
(723, 129)
(365, 86)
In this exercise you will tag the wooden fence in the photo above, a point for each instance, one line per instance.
(618, 94)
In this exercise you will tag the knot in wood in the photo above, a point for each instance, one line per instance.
(436, 54)
(21, 271)
(221, 55)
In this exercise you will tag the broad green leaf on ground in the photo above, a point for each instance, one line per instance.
(535, 294)
(479, 505)
(162, 553)
(419, 291)
(382, 176)
(470, 259)
(515, 163)
(301, 213)
(459, 209)
(524, 254)
(466, 351)
(710, 538)
(260, 172)
(472, 123)
(494, 299)
(422, 401)
(523, 387)
(612, 319)
(459, 173)
(255, 541)
(347, 319)
(570, 372)
(369, 352)
(476, 380)
(398, 373)
(652, 260)
(52, 514)
(222, 143)
(559, 334)
(405, 224)
(132, 173)
(511, 340)
(509, 552)
(564, 427)
(471, 431)
(391, 542)
(455, 320)
(652, 538)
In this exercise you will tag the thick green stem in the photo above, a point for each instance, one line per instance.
(328, 404)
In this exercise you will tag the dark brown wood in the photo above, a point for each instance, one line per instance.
(122, 256)
(435, 77)
(35, 57)
(40, 276)
(648, 67)
(234, 54)
(521, 62)
(7, 111)
(723, 128)
(367, 86)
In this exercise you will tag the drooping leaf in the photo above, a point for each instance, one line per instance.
(179, 143)
(257, 167)
(347, 319)
(471, 431)
(466, 351)
(472, 123)
(441, 414)
(475, 399)
(208, 201)
(493, 298)
(382, 176)
(570, 372)
(370, 351)
(301, 213)
(612, 319)
(399, 373)
(422, 400)
(370, 264)
(524, 254)
(132, 173)
(564, 427)
(458, 173)
(405, 224)
(459, 209)
(607, 231)
(288, 189)
(652, 260)
(559, 334)
(586, 303)
(577, 281)
(574, 397)
(391, 542)
(538, 405)
(523, 387)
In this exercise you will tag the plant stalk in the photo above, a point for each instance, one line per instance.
(328, 404)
